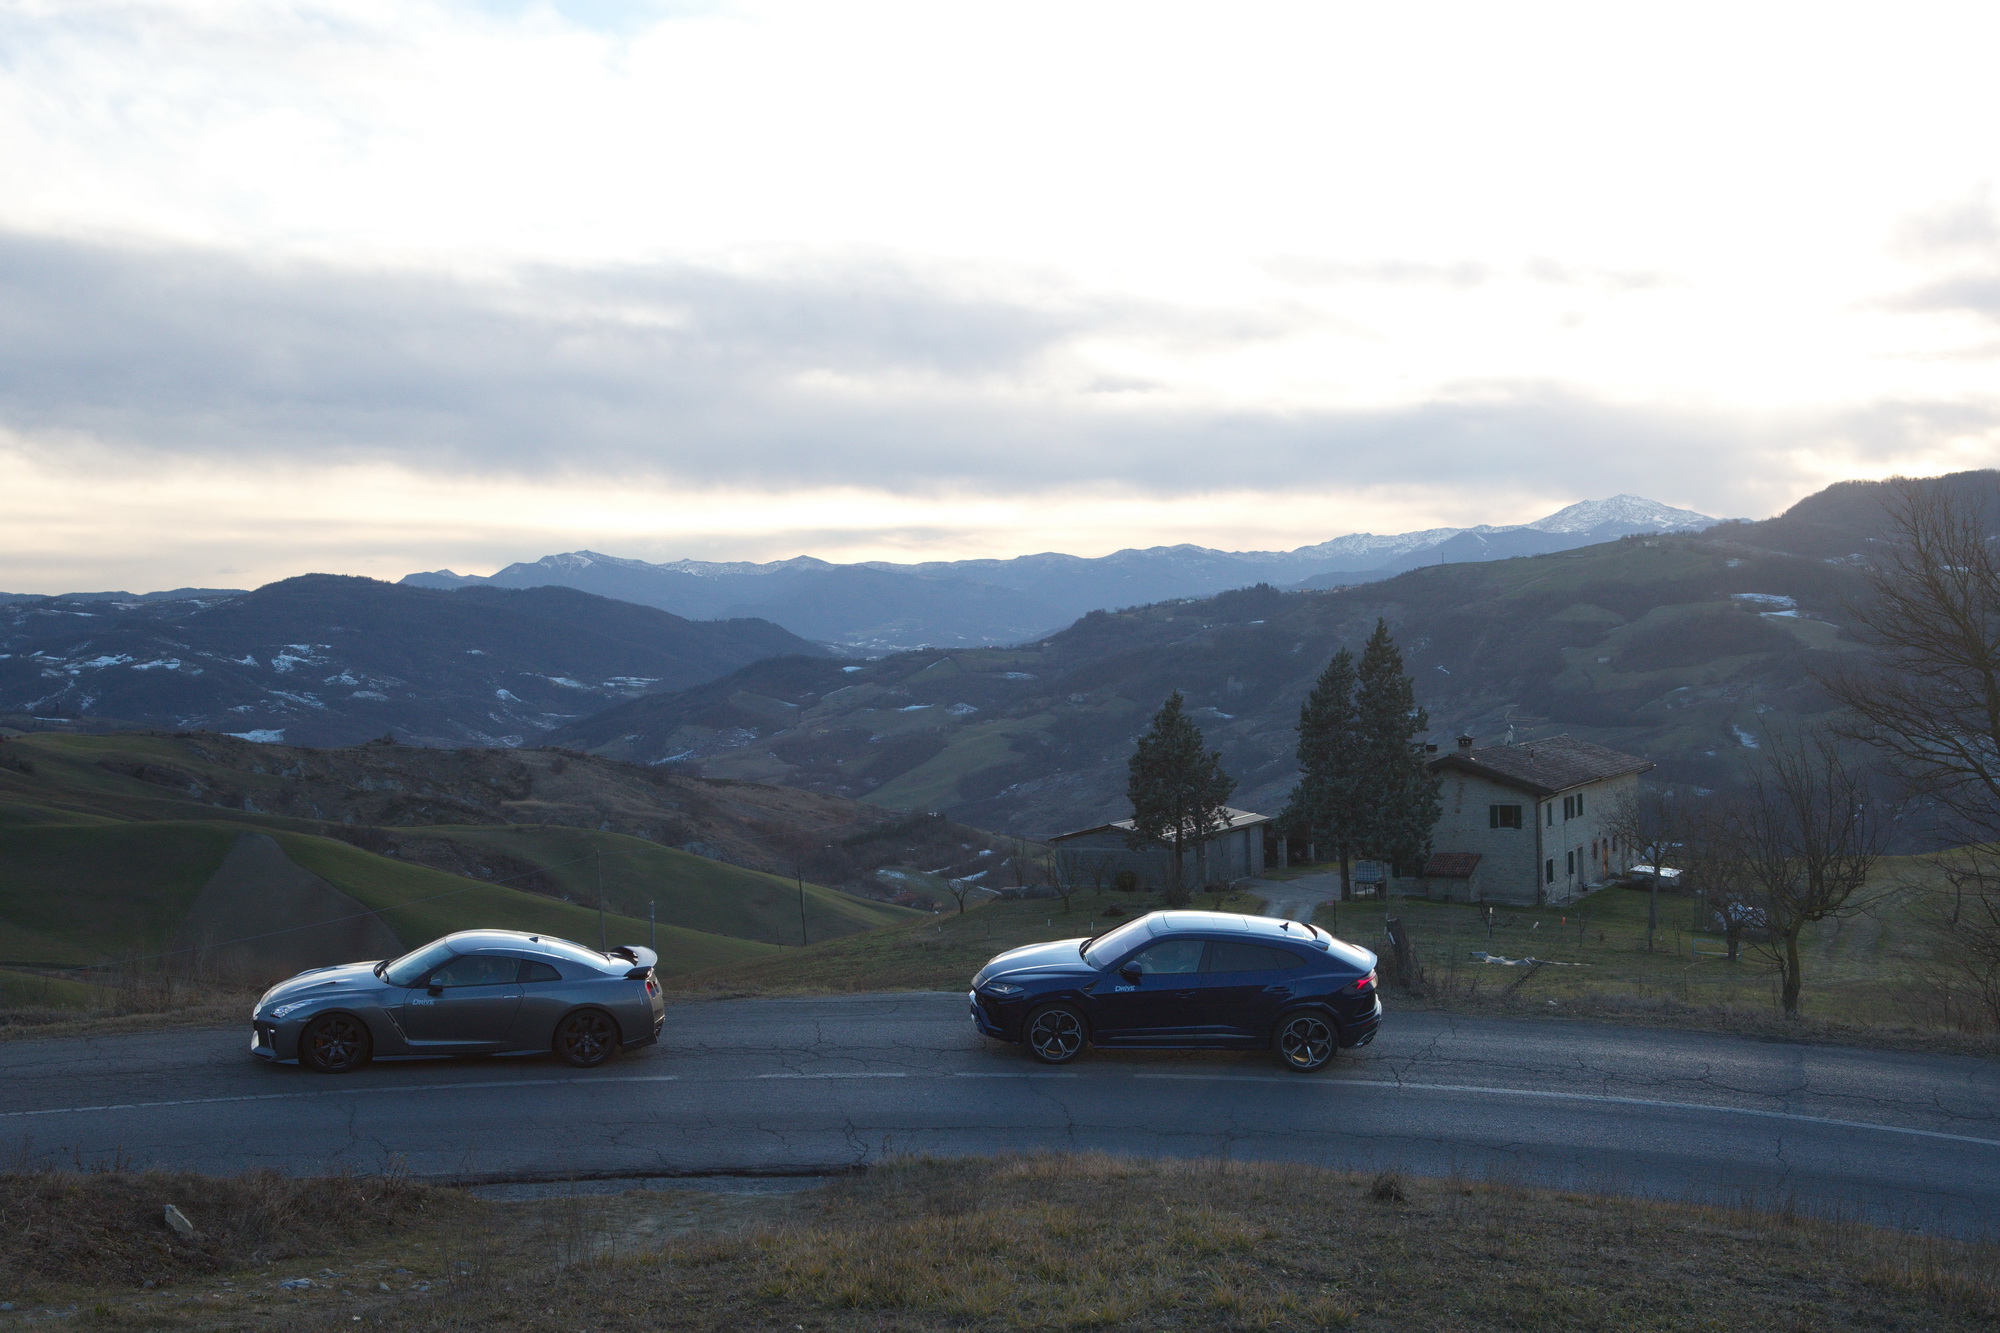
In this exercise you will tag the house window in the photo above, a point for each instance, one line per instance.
(1503, 816)
(1569, 863)
(1549, 869)
(1549, 810)
(1573, 806)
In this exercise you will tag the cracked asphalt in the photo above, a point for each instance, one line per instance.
(801, 1085)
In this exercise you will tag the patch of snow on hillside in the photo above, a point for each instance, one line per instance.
(1775, 601)
(262, 736)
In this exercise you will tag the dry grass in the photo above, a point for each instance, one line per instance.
(109, 1226)
(58, 1006)
(1053, 1242)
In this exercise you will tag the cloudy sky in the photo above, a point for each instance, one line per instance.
(383, 285)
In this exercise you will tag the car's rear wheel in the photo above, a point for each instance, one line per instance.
(335, 1044)
(586, 1039)
(1305, 1041)
(1055, 1034)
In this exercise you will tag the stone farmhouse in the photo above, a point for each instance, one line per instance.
(1529, 823)
(1093, 857)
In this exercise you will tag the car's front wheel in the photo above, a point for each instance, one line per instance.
(1305, 1041)
(586, 1039)
(1055, 1034)
(335, 1044)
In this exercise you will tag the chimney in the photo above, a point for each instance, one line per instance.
(1430, 749)
(1465, 745)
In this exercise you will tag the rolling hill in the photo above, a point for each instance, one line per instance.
(331, 660)
(1685, 648)
(714, 855)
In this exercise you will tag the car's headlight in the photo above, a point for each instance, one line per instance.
(284, 1009)
(1000, 988)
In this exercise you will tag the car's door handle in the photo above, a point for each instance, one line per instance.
(1282, 992)
(1184, 995)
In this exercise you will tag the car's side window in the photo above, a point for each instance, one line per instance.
(533, 971)
(1170, 956)
(1234, 956)
(477, 969)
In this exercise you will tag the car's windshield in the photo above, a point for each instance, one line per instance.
(1114, 944)
(405, 970)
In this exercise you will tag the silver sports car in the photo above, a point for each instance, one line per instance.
(475, 992)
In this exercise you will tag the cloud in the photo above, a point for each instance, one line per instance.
(833, 373)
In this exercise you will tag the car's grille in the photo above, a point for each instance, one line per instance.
(267, 1033)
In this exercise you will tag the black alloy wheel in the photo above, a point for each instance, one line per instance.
(1055, 1035)
(335, 1044)
(1305, 1041)
(586, 1039)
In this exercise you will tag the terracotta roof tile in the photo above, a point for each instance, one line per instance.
(1450, 865)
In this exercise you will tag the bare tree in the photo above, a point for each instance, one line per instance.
(1803, 838)
(1651, 824)
(1929, 704)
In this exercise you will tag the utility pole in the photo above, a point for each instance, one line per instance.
(652, 926)
(601, 941)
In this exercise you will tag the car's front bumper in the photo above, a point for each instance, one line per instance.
(272, 1041)
(991, 1017)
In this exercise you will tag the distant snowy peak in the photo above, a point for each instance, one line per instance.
(1635, 513)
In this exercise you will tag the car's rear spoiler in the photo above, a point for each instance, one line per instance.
(643, 960)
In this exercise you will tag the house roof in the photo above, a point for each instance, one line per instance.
(1450, 865)
(1238, 819)
(1544, 767)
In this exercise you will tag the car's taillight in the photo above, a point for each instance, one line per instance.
(652, 986)
(1365, 984)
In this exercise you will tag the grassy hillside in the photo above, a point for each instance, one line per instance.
(98, 894)
(93, 893)
(630, 874)
(937, 953)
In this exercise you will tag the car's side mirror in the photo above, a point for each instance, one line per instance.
(435, 989)
(1131, 974)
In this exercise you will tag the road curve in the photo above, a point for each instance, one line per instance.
(814, 1084)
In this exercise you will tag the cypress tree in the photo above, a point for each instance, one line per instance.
(1325, 806)
(1401, 791)
(1177, 787)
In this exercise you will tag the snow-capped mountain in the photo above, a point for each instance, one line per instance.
(880, 606)
(1632, 513)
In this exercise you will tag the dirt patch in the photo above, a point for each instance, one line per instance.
(260, 917)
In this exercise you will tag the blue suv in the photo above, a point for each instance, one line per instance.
(1171, 980)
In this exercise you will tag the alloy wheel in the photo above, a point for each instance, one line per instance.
(334, 1044)
(1055, 1035)
(1305, 1041)
(586, 1039)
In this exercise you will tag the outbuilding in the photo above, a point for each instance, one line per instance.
(1093, 857)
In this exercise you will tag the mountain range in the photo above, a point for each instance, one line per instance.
(1688, 648)
(879, 606)
(326, 659)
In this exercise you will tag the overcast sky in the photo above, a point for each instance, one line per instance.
(382, 285)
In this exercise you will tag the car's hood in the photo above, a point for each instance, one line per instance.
(1055, 956)
(348, 978)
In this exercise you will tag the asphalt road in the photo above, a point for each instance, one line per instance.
(815, 1084)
